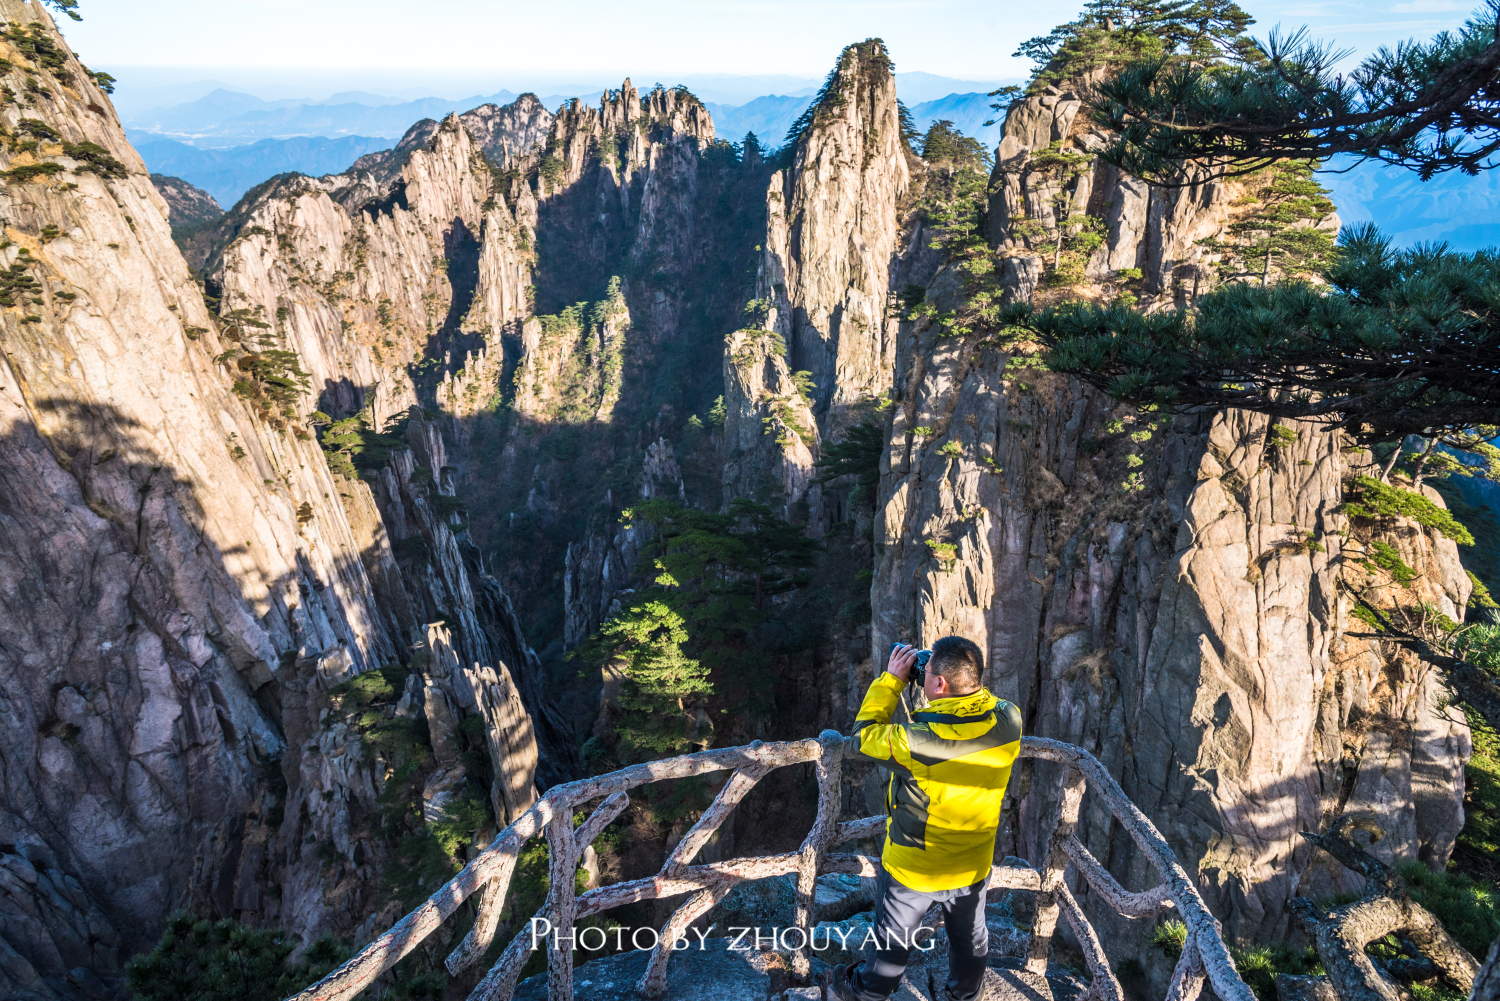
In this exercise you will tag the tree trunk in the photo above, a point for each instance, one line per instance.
(1416, 473)
(1385, 474)
(1265, 275)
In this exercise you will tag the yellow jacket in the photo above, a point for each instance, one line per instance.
(949, 769)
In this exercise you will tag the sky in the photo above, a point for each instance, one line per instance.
(477, 46)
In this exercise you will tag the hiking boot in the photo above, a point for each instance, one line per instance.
(839, 988)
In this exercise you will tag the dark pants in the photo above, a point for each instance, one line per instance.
(898, 917)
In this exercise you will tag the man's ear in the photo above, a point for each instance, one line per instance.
(939, 684)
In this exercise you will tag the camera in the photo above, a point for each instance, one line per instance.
(919, 670)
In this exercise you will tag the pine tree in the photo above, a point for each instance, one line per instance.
(1110, 33)
(856, 454)
(1280, 237)
(1398, 343)
(661, 680)
(1431, 106)
(944, 143)
(715, 580)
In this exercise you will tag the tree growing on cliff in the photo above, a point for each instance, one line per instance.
(1280, 236)
(715, 579)
(944, 143)
(1110, 33)
(1431, 107)
(1398, 343)
(68, 7)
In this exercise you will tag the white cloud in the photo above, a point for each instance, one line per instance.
(1428, 6)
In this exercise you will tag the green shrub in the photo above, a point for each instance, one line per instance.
(1170, 937)
(1372, 500)
(38, 128)
(1280, 436)
(1259, 965)
(446, 506)
(199, 960)
(1481, 832)
(94, 159)
(31, 171)
(943, 552)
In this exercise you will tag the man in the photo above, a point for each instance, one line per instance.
(949, 768)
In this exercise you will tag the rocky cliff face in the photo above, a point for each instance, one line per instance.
(1157, 230)
(1167, 594)
(509, 136)
(1180, 616)
(832, 229)
(186, 579)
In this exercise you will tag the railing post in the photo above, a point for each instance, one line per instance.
(1187, 977)
(653, 983)
(486, 918)
(815, 846)
(1103, 986)
(563, 854)
(1054, 864)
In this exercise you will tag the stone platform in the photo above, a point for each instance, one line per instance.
(717, 973)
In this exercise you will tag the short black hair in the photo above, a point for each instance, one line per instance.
(960, 662)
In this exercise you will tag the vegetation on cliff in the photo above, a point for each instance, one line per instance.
(1399, 342)
(716, 580)
(201, 960)
(1427, 106)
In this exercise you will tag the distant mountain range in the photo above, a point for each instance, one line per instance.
(229, 173)
(225, 142)
(1461, 211)
(770, 117)
(226, 118)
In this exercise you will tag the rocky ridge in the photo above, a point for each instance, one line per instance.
(186, 205)
(1168, 594)
(172, 745)
(509, 135)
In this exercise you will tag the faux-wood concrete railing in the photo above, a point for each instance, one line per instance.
(1204, 955)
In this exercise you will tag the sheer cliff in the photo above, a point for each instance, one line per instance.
(1170, 594)
(832, 230)
(186, 581)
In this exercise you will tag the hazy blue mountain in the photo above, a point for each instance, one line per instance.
(968, 112)
(359, 97)
(227, 118)
(731, 90)
(229, 173)
(1463, 212)
(768, 117)
(230, 116)
(920, 88)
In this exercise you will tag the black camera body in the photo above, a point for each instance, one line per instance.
(919, 671)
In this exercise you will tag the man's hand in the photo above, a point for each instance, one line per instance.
(903, 659)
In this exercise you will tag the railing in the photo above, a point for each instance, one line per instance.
(1203, 955)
